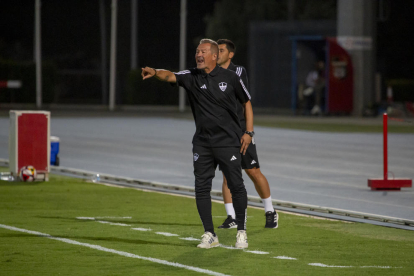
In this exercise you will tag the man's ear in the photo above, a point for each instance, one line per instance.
(215, 56)
(231, 55)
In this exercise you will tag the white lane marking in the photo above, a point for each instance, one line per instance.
(343, 266)
(114, 217)
(324, 265)
(190, 239)
(112, 223)
(167, 234)
(284, 258)
(104, 222)
(122, 253)
(257, 252)
(142, 229)
(374, 266)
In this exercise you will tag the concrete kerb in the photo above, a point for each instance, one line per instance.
(293, 207)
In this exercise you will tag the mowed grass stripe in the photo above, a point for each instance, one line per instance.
(56, 206)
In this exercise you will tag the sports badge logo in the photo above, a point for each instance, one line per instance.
(223, 86)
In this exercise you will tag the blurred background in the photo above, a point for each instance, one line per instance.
(319, 57)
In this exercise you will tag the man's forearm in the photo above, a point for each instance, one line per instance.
(248, 114)
(161, 74)
(165, 75)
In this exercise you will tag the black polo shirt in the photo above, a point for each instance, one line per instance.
(213, 98)
(241, 72)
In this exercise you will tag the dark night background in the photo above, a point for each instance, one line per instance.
(71, 39)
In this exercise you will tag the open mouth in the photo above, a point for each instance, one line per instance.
(200, 60)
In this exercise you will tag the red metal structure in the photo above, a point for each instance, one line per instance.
(29, 141)
(385, 183)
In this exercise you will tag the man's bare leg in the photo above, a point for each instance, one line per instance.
(261, 185)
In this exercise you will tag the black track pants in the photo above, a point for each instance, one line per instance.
(205, 160)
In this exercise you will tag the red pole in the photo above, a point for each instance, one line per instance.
(385, 130)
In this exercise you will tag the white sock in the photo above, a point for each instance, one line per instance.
(230, 210)
(267, 203)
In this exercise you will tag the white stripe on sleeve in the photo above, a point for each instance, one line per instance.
(245, 89)
(183, 72)
(239, 71)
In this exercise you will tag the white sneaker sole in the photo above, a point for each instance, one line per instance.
(211, 245)
(241, 245)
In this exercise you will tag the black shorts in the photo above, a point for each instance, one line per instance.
(250, 160)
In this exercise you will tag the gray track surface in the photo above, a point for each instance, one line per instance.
(318, 168)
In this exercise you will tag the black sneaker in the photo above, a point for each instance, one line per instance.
(271, 219)
(229, 223)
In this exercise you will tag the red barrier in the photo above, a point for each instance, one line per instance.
(29, 141)
(385, 183)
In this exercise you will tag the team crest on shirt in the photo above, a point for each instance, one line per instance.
(223, 86)
(195, 156)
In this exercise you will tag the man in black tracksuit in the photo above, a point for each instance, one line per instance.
(213, 93)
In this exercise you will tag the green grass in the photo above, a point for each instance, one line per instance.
(53, 208)
(334, 127)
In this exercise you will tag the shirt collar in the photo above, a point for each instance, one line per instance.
(215, 71)
(232, 66)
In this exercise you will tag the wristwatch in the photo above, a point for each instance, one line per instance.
(251, 133)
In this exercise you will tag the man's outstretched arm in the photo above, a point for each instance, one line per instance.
(161, 74)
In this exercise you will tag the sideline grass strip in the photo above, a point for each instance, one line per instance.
(56, 207)
(334, 127)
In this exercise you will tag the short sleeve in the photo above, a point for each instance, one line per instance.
(184, 78)
(241, 72)
(242, 93)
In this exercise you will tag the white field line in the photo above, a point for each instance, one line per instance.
(121, 253)
(112, 223)
(190, 239)
(167, 234)
(142, 229)
(226, 246)
(86, 218)
(113, 217)
(257, 252)
(343, 266)
(375, 266)
(284, 258)
(103, 221)
(324, 265)
(213, 200)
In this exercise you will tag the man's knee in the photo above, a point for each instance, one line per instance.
(236, 187)
(201, 193)
(254, 173)
(203, 186)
